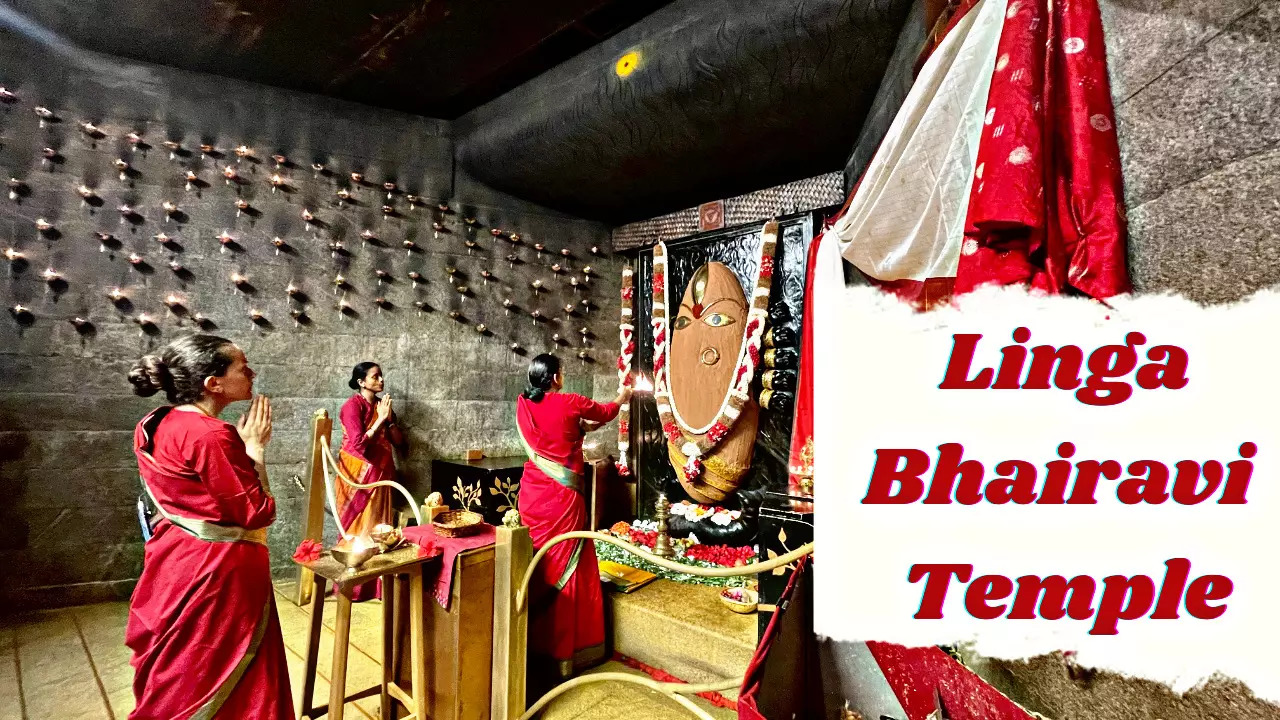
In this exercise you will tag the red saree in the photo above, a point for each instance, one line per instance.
(365, 460)
(566, 606)
(1046, 208)
(202, 626)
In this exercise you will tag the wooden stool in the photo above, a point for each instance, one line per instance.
(393, 568)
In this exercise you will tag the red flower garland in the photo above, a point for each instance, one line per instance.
(308, 551)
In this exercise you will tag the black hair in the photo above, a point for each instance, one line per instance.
(181, 368)
(360, 372)
(542, 373)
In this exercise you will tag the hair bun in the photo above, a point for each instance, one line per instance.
(534, 394)
(150, 375)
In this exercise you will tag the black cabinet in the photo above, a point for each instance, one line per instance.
(488, 486)
(782, 529)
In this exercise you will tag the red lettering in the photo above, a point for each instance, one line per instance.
(1207, 588)
(984, 589)
(935, 587)
(1123, 598)
(957, 375)
(886, 472)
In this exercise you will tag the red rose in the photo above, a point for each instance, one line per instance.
(428, 549)
(308, 551)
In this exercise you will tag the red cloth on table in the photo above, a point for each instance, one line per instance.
(1046, 208)
(439, 576)
(572, 619)
(193, 614)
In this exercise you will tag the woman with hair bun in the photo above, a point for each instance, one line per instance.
(370, 438)
(567, 609)
(202, 626)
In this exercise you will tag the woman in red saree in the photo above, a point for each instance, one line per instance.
(370, 438)
(566, 620)
(202, 626)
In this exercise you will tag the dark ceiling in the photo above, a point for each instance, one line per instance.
(724, 96)
(438, 58)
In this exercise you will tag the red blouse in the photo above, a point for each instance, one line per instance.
(202, 471)
(553, 425)
(356, 416)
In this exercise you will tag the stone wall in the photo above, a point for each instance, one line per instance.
(68, 528)
(1198, 115)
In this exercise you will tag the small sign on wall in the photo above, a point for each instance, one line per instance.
(711, 216)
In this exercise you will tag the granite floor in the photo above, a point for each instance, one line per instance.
(71, 664)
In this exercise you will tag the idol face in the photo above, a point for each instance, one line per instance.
(706, 336)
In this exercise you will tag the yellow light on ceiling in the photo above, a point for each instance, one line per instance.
(627, 64)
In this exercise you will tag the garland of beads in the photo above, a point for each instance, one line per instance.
(626, 338)
(697, 442)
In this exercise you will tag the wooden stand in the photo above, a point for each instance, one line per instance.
(458, 640)
(313, 508)
(512, 552)
(394, 568)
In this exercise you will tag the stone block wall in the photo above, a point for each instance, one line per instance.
(1197, 91)
(68, 526)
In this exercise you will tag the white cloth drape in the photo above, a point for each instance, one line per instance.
(906, 220)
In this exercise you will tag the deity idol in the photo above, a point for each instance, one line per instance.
(707, 334)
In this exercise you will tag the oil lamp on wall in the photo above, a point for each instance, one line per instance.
(207, 150)
(414, 202)
(49, 154)
(106, 241)
(367, 237)
(568, 309)
(258, 317)
(415, 277)
(308, 217)
(409, 246)
(13, 256)
(471, 245)
(21, 313)
(202, 321)
(279, 243)
(344, 195)
(90, 130)
(45, 114)
(316, 169)
(383, 276)
(537, 286)
(226, 240)
(388, 210)
(192, 179)
(584, 356)
(117, 297)
(135, 141)
(280, 161)
(242, 207)
(277, 182)
(137, 261)
(163, 239)
(44, 227)
(126, 212)
(452, 272)
(174, 147)
(123, 167)
(145, 322)
(243, 152)
(8, 97)
(482, 329)
(390, 187)
(337, 247)
(514, 238)
(293, 291)
(86, 194)
(511, 259)
(170, 209)
(299, 316)
(239, 281)
(357, 178)
(82, 325)
(486, 275)
(175, 304)
(16, 188)
(230, 174)
(514, 347)
(339, 283)
(177, 267)
(382, 303)
(421, 306)
(507, 304)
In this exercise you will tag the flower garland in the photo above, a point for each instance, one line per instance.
(626, 338)
(697, 442)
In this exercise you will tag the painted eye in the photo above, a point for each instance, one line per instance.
(681, 322)
(718, 320)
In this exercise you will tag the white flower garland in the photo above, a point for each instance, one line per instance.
(626, 339)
